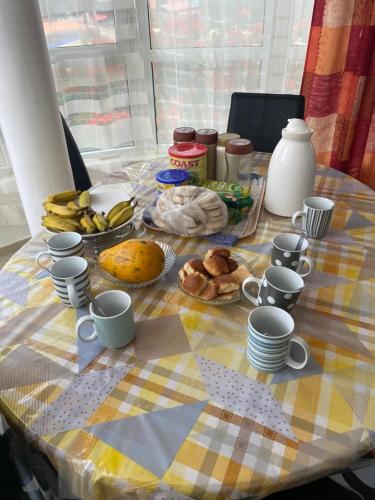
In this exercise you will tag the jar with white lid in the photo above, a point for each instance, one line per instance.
(238, 154)
(221, 165)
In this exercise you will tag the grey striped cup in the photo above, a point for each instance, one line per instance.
(316, 216)
(71, 278)
(60, 246)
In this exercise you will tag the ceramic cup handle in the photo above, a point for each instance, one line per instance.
(295, 216)
(39, 255)
(310, 264)
(297, 364)
(79, 323)
(247, 294)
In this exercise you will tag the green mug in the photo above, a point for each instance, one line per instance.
(117, 328)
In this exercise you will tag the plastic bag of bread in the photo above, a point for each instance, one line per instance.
(190, 211)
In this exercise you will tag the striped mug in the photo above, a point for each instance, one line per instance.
(316, 216)
(71, 278)
(60, 246)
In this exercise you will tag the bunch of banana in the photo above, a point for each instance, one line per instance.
(71, 211)
(56, 224)
(120, 213)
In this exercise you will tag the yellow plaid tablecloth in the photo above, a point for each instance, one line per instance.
(180, 413)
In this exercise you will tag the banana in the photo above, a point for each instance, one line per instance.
(121, 217)
(61, 211)
(100, 222)
(63, 196)
(117, 208)
(87, 224)
(84, 200)
(73, 205)
(55, 224)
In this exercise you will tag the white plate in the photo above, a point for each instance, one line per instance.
(169, 258)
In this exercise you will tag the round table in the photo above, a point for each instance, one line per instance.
(180, 412)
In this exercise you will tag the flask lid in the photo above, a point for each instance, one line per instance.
(297, 129)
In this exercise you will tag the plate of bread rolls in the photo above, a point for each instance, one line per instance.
(216, 279)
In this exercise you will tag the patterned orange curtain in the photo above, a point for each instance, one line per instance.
(339, 86)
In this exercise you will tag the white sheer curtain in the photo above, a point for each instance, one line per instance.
(127, 72)
(203, 50)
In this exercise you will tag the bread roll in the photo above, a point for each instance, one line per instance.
(240, 274)
(216, 266)
(232, 264)
(221, 251)
(210, 292)
(195, 266)
(181, 274)
(226, 284)
(194, 284)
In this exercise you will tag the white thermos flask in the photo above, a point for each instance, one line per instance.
(291, 173)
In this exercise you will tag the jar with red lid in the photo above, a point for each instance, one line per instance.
(191, 157)
(238, 155)
(183, 134)
(208, 137)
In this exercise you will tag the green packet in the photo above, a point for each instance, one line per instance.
(237, 205)
(226, 187)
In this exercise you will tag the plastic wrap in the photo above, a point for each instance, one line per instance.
(190, 211)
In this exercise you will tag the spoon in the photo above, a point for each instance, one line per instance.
(302, 237)
(96, 303)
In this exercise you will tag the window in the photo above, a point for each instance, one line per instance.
(127, 72)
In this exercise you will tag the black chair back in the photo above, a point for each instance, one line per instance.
(81, 176)
(261, 117)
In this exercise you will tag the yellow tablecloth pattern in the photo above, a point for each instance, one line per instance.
(180, 413)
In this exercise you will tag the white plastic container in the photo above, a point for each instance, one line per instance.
(292, 169)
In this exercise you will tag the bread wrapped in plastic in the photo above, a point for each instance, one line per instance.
(190, 211)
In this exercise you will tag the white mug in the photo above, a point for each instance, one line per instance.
(117, 328)
(71, 278)
(316, 216)
(271, 344)
(60, 246)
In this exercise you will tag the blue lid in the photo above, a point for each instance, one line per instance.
(172, 176)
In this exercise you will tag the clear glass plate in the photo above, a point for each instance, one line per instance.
(169, 258)
(220, 302)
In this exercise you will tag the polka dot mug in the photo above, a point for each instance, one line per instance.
(284, 253)
(279, 287)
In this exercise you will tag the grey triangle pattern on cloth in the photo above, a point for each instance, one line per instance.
(151, 439)
(328, 329)
(340, 237)
(243, 395)
(24, 366)
(357, 221)
(28, 322)
(78, 401)
(337, 448)
(286, 374)
(318, 279)
(358, 401)
(263, 248)
(14, 287)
